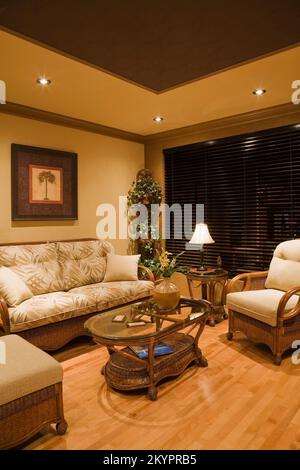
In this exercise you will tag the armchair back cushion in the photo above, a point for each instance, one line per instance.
(36, 265)
(83, 262)
(284, 271)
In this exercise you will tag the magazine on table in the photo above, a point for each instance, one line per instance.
(160, 349)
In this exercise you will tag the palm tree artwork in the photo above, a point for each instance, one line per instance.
(46, 177)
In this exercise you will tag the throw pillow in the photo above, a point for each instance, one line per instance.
(121, 268)
(13, 288)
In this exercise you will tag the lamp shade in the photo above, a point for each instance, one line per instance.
(201, 235)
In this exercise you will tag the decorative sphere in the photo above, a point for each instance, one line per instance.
(144, 173)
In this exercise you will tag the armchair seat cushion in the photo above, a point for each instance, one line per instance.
(27, 370)
(261, 305)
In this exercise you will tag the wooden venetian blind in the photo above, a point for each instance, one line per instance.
(250, 186)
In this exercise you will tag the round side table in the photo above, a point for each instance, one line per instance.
(212, 283)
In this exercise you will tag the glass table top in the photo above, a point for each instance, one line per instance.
(143, 319)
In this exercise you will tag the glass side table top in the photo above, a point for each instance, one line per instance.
(155, 323)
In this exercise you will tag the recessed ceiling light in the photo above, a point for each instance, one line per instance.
(211, 142)
(297, 125)
(259, 92)
(158, 119)
(43, 81)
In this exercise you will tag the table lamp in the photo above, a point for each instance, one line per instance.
(201, 236)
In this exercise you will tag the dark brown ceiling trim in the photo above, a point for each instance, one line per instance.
(108, 72)
(61, 120)
(291, 111)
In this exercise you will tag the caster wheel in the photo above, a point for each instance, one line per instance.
(277, 360)
(225, 316)
(152, 393)
(211, 322)
(61, 427)
(229, 336)
(203, 362)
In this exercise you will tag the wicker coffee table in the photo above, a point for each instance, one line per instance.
(124, 369)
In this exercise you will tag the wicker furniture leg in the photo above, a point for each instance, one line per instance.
(61, 425)
(230, 325)
(152, 390)
(24, 417)
(201, 360)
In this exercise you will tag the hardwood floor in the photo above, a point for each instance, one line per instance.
(241, 401)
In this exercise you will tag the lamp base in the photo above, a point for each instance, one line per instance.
(202, 268)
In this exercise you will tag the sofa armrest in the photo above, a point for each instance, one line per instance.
(282, 313)
(4, 316)
(250, 281)
(145, 273)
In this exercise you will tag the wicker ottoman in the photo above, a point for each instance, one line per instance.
(30, 392)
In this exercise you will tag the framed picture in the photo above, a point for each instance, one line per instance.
(44, 184)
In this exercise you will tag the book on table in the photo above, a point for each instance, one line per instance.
(160, 349)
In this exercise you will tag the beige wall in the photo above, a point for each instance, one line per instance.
(154, 159)
(106, 167)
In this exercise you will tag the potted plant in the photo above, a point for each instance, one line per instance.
(166, 294)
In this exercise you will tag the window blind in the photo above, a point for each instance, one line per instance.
(249, 185)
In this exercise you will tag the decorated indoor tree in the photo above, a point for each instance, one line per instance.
(145, 190)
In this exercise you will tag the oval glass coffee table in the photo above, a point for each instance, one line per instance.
(146, 346)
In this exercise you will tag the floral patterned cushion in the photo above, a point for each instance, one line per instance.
(49, 308)
(83, 262)
(109, 294)
(37, 265)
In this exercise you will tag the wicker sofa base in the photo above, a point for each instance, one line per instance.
(278, 339)
(54, 336)
(23, 418)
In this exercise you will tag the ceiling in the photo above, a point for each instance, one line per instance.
(157, 44)
(83, 92)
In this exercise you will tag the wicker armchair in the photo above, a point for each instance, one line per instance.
(266, 305)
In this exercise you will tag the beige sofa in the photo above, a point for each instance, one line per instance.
(66, 282)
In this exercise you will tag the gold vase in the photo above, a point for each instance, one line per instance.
(166, 295)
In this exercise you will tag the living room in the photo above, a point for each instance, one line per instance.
(150, 226)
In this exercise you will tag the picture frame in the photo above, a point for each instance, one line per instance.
(43, 184)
